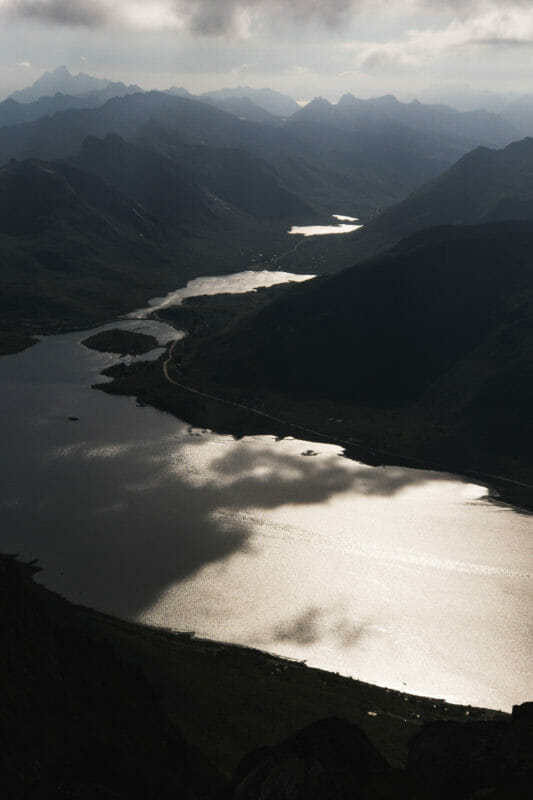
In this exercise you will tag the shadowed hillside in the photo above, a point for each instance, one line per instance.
(425, 351)
(93, 707)
(483, 186)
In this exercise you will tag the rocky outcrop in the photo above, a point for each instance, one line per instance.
(475, 759)
(447, 760)
(329, 759)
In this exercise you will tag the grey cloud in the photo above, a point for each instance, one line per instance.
(210, 17)
(219, 17)
(502, 42)
(204, 17)
(471, 6)
(89, 13)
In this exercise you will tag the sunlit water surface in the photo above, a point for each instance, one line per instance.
(403, 578)
(237, 283)
(341, 226)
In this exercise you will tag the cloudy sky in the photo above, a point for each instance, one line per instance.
(413, 48)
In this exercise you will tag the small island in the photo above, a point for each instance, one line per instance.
(125, 343)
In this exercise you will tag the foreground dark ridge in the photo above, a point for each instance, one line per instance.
(93, 707)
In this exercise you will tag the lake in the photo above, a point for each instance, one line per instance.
(343, 224)
(405, 578)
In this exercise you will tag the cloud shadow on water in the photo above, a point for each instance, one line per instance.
(314, 625)
(123, 524)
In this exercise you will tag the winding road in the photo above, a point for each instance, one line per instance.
(328, 437)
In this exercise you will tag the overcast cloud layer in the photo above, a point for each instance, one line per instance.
(304, 47)
(216, 17)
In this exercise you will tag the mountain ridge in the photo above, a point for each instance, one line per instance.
(62, 81)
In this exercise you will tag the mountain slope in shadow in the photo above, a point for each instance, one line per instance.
(434, 338)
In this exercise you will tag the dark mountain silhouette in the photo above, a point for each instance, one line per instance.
(327, 165)
(85, 239)
(61, 135)
(483, 186)
(246, 182)
(436, 334)
(35, 193)
(373, 155)
(13, 113)
(192, 185)
(481, 127)
(160, 185)
(72, 246)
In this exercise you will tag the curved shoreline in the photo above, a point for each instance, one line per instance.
(275, 694)
(501, 489)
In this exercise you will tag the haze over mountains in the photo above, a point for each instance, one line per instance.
(419, 353)
(483, 186)
(60, 80)
(361, 154)
(94, 197)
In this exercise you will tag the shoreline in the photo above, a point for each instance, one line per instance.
(202, 412)
(265, 684)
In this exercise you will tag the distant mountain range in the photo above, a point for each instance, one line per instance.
(351, 113)
(512, 117)
(60, 80)
(424, 350)
(361, 155)
(142, 189)
(86, 238)
(277, 104)
(340, 160)
(242, 107)
(13, 113)
(85, 91)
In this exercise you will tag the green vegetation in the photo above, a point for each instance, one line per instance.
(125, 343)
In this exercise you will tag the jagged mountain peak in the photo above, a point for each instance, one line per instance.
(348, 100)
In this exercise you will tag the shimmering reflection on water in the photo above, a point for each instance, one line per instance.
(343, 225)
(401, 577)
(237, 283)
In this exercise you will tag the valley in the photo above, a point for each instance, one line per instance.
(266, 380)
